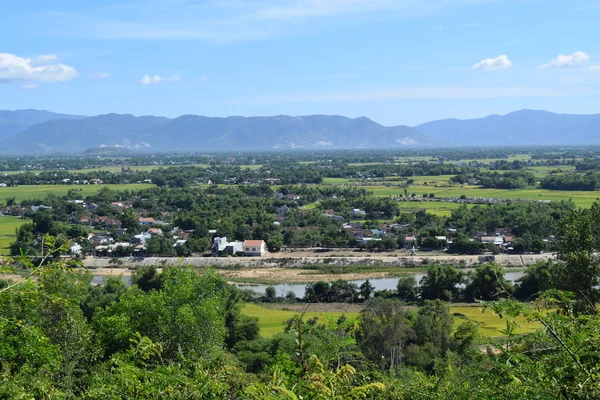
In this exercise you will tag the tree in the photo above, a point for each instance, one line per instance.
(487, 283)
(540, 277)
(270, 292)
(578, 240)
(441, 282)
(407, 288)
(366, 289)
(384, 332)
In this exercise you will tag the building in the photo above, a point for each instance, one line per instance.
(146, 221)
(234, 248)
(357, 212)
(254, 247)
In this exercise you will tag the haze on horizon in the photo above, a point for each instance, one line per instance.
(395, 62)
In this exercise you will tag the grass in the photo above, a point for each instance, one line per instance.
(30, 192)
(272, 321)
(7, 231)
(580, 198)
(436, 208)
(335, 181)
(490, 325)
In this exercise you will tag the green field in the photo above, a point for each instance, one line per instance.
(436, 208)
(272, 321)
(7, 231)
(140, 168)
(580, 198)
(335, 181)
(28, 192)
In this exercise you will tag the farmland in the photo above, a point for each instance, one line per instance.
(139, 168)
(7, 231)
(272, 321)
(28, 192)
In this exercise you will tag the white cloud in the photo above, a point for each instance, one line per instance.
(415, 93)
(17, 69)
(595, 67)
(491, 64)
(99, 75)
(568, 60)
(150, 79)
(29, 86)
(45, 59)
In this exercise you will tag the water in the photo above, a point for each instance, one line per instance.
(299, 289)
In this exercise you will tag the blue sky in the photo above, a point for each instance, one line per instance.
(394, 61)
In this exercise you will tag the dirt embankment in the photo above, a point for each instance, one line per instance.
(287, 261)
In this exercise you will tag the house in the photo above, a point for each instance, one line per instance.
(75, 249)
(120, 231)
(495, 240)
(377, 232)
(218, 246)
(254, 247)
(234, 248)
(116, 204)
(113, 223)
(141, 238)
(155, 231)
(179, 242)
(146, 221)
(96, 181)
(357, 212)
(3, 185)
(410, 241)
(92, 206)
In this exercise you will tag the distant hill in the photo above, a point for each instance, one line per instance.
(192, 132)
(12, 122)
(525, 127)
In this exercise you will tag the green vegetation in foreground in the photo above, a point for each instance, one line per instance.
(7, 232)
(272, 321)
(31, 192)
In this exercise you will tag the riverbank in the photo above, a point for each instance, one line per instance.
(292, 260)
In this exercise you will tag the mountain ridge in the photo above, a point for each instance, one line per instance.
(41, 131)
(194, 132)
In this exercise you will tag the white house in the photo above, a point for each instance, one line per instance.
(75, 249)
(254, 247)
(358, 212)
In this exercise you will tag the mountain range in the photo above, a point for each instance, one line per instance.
(39, 131)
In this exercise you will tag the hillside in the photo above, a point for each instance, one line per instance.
(192, 132)
(12, 122)
(525, 127)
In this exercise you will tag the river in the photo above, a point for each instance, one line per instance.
(283, 289)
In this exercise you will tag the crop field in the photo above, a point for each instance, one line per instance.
(335, 181)
(436, 208)
(140, 168)
(7, 231)
(272, 321)
(580, 198)
(28, 192)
